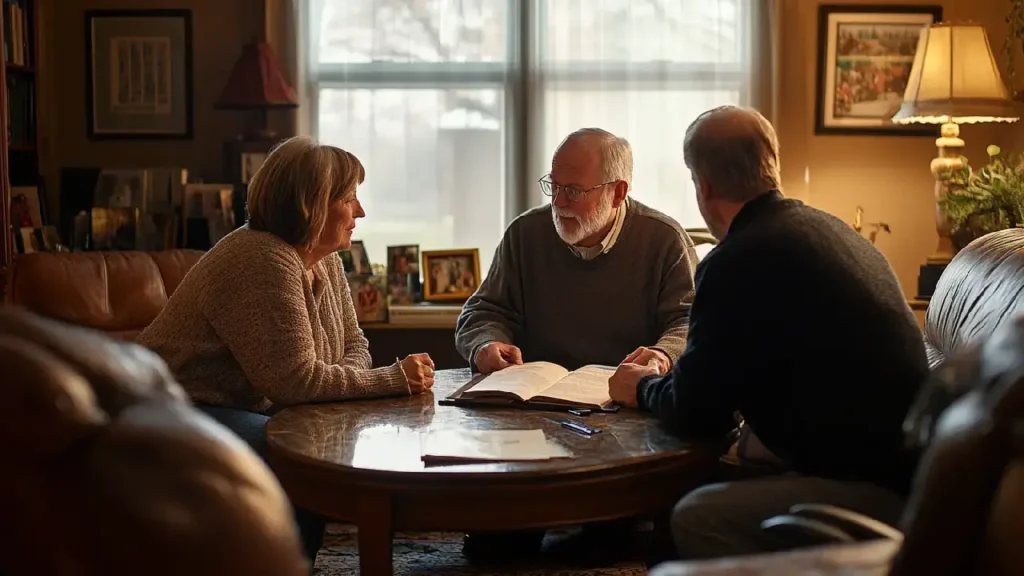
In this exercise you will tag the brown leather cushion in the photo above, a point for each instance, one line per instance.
(979, 290)
(108, 470)
(118, 292)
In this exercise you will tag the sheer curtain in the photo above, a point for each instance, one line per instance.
(455, 106)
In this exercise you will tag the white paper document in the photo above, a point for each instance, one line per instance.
(489, 446)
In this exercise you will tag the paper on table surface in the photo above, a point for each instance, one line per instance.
(490, 445)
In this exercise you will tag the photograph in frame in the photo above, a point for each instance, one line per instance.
(450, 275)
(355, 259)
(368, 297)
(865, 56)
(403, 273)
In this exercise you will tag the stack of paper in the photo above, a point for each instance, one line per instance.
(451, 445)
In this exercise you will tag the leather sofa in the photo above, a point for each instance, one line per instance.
(966, 513)
(108, 470)
(119, 293)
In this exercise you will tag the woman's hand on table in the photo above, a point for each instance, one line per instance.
(419, 372)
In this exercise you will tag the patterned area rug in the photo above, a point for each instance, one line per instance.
(440, 553)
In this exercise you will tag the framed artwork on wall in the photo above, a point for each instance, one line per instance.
(865, 55)
(138, 74)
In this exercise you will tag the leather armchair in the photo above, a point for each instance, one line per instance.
(119, 293)
(980, 290)
(980, 294)
(108, 469)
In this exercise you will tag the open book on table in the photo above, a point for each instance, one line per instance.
(540, 385)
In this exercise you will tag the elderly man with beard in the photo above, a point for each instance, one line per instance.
(594, 277)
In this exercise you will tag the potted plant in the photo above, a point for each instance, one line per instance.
(986, 200)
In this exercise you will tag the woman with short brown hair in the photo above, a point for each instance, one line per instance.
(265, 319)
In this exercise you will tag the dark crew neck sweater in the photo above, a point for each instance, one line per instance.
(799, 324)
(557, 307)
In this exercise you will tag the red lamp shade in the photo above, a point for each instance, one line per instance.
(256, 82)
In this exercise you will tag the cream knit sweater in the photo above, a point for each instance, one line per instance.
(247, 329)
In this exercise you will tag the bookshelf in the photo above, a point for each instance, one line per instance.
(19, 150)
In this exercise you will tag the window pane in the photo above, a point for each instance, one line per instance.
(644, 30)
(654, 122)
(434, 165)
(410, 31)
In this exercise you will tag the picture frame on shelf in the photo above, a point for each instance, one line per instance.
(208, 214)
(864, 58)
(369, 298)
(250, 163)
(139, 74)
(450, 275)
(26, 207)
(355, 260)
(403, 273)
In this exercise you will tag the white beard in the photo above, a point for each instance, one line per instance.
(585, 225)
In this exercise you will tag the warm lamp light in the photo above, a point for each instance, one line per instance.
(257, 84)
(954, 80)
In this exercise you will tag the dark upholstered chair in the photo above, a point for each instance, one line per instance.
(108, 470)
(964, 514)
(979, 290)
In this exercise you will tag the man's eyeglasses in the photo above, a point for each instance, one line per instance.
(549, 188)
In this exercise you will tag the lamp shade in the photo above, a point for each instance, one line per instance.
(955, 79)
(256, 82)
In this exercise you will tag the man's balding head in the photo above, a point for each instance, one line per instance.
(733, 151)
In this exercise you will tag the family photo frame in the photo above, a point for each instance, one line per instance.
(369, 297)
(450, 275)
(355, 260)
(865, 56)
(403, 273)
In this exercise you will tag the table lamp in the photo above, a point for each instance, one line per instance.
(257, 84)
(954, 80)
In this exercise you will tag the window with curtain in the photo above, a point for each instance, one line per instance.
(440, 99)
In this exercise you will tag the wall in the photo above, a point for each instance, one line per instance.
(888, 176)
(219, 30)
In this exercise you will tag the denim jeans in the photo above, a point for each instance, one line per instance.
(251, 427)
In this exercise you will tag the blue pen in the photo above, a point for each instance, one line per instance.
(580, 428)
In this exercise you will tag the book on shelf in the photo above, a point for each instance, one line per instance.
(459, 445)
(17, 32)
(541, 385)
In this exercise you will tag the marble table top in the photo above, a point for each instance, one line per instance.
(384, 434)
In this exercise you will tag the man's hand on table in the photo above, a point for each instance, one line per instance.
(622, 384)
(496, 356)
(644, 356)
(419, 372)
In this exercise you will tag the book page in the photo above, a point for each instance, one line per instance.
(588, 385)
(493, 445)
(524, 380)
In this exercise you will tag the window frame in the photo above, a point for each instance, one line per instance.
(524, 85)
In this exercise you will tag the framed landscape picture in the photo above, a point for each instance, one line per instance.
(865, 55)
(138, 73)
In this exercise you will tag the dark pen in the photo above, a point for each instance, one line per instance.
(580, 428)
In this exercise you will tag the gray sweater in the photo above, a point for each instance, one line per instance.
(558, 307)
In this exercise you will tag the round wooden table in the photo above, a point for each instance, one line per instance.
(359, 462)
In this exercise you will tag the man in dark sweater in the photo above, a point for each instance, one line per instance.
(592, 278)
(799, 326)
